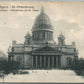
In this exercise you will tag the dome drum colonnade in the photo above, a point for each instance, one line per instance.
(42, 35)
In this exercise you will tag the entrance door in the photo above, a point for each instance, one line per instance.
(34, 61)
(54, 61)
(46, 61)
(42, 62)
(50, 61)
(38, 61)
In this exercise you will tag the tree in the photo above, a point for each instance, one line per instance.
(78, 65)
(9, 66)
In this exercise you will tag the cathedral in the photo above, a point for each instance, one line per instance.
(39, 50)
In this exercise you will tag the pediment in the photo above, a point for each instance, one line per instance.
(47, 49)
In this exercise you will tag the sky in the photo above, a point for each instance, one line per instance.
(66, 17)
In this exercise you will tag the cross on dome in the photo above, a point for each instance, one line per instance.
(61, 34)
(42, 9)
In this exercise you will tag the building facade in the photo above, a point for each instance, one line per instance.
(40, 51)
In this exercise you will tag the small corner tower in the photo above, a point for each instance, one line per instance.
(61, 40)
(27, 39)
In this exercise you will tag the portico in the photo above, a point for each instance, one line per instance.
(46, 58)
(46, 61)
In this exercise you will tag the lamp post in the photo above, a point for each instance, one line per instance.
(3, 77)
(12, 54)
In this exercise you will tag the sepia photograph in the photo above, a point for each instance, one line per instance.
(42, 41)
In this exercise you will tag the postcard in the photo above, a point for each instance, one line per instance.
(42, 41)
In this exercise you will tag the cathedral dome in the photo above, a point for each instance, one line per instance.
(42, 22)
(42, 30)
